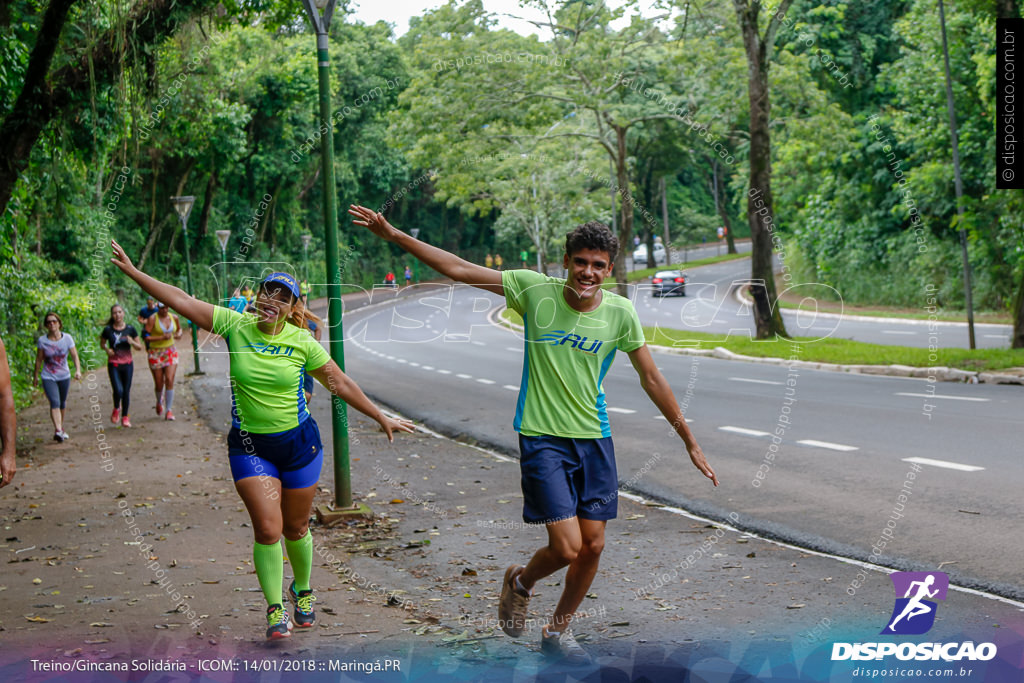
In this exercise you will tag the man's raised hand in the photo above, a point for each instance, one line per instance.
(368, 218)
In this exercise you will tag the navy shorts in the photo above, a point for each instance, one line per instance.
(564, 478)
(295, 456)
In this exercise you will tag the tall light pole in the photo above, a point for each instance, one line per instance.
(183, 207)
(223, 236)
(415, 232)
(343, 505)
(957, 183)
(306, 239)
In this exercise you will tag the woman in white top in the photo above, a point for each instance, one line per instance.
(54, 347)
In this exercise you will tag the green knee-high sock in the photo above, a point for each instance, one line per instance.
(300, 554)
(269, 570)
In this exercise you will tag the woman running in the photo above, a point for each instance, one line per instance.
(117, 340)
(163, 329)
(53, 350)
(274, 446)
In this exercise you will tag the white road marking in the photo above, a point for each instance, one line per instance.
(898, 332)
(401, 360)
(445, 372)
(428, 367)
(479, 343)
(462, 375)
(826, 444)
(485, 381)
(754, 381)
(624, 411)
(743, 431)
(944, 463)
(510, 387)
(996, 336)
(414, 364)
(390, 357)
(955, 398)
(516, 349)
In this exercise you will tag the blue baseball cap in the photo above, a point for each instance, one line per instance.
(284, 279)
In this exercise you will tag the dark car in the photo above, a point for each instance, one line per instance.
(668, 283)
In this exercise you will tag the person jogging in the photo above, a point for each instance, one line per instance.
(163, 328)
(8, 422)
(145, 313)
(54, 347)
(567, 459)
(274, 448)
(117, 340)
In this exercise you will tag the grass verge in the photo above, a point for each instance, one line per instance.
(830, 350)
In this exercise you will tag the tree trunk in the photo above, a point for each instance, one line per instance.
(718, 185)
(626, 222)
(204, 216)
(1017, 339)
(153, 234)
(760, 213)
(664, 222)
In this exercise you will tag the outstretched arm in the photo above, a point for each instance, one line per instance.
(342, 386)
(196, 310)
(8, 421)
(660, 393)
(446, 263)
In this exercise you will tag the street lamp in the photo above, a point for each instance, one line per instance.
(306, 239)
(343, 505)
(415, 232)
(183, 207)
(223, 236)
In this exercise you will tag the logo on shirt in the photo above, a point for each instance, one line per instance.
(561, 337)
(263, 347)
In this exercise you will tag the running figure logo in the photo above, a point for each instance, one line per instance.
(913, 614)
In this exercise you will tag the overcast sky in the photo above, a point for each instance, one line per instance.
(397, 13)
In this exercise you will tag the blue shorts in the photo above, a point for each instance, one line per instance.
(295, 456)
(564, 478)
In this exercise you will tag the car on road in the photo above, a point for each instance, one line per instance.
(668, 283)
(640, 255)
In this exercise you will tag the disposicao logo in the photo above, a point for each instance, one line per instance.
(913, 614)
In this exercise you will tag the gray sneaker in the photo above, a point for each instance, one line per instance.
(563, 646)
(513, 604)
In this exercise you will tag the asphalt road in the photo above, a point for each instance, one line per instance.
(710, 306)
(834, 483)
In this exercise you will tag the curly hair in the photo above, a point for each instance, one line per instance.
(592, 235)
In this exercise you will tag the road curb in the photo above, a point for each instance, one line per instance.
(932, 374)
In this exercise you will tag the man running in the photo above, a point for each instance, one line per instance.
(567, 459)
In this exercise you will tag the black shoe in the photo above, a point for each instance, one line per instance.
(303, 601)
(278, 623)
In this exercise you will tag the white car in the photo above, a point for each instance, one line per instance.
(640, 255)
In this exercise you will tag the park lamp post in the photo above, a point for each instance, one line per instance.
(343, 504)
(306, 239)
(223, 236)
(415, 232)
(183, 207)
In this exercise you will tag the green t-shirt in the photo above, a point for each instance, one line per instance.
(568, 353)
(266, 372)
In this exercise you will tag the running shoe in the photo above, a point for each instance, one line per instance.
(169, 416)
(563, 646)
(160, 406)
(512, 607)
(57, 437)
(115, 416)
(125, 422)
(63, 435)
(278, 623)
(303, 601)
